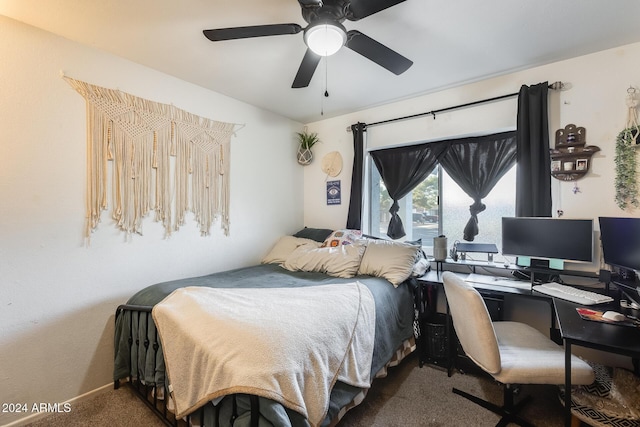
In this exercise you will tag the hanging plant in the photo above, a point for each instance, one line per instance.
(626, 182)
(306, 141)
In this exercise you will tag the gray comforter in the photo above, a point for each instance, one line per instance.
(394, 325)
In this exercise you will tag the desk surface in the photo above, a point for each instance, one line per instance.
(623, 340)
(472, 264)
(435, 277)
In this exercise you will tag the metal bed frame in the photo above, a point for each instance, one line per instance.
(148, 392)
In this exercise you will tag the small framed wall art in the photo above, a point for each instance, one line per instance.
(334, 193)
(582, 164)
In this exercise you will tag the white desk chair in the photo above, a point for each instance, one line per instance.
(513, 353)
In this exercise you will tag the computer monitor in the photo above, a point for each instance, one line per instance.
(620, 238)
(548, 239)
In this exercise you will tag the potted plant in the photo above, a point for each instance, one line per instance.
(306, 140)
(626, 174)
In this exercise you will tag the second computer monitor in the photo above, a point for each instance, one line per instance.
(548, 239)
(621, 242)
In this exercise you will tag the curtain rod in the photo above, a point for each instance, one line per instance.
(555, 86)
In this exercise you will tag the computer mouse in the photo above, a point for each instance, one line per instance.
(614, 315)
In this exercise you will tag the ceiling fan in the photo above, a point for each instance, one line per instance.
(325, 34)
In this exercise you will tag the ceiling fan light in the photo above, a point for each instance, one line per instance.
(325, 39)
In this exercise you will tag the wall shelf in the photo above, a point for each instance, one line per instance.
(571, 157)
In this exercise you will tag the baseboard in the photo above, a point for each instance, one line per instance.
(40, 415)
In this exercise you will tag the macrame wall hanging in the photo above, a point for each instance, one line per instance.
(139, 138)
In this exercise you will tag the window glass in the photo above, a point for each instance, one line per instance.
(439, 206)
(425, 210)
(379, 205)
(419, 210)
(455, 205)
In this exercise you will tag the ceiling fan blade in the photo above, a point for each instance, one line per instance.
(359, 9)
(307, 68)
(377, 52)
(308, 3)
(222, 34)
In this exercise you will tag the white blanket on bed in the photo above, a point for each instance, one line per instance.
(285, 344)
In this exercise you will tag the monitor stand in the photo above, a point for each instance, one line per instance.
(555, 264)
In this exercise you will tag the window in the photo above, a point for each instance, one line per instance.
(439, 206)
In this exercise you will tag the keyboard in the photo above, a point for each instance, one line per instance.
(572, 294)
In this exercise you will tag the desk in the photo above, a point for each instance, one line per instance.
(573, 329)
(488, 292)
(597, 335)
(472, 265)
(435, 278)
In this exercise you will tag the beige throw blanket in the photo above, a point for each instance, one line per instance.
(286, 344)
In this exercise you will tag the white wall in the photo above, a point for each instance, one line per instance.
(58, 297)
(595, 99)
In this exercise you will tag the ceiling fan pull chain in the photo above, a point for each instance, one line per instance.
(326, 77)
(326, 85)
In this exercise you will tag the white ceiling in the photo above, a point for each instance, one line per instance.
(451, 42)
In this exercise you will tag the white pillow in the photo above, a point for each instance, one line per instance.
(284, 247)
(341, 261)
(391, 260)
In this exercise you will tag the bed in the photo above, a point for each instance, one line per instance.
(297, 264)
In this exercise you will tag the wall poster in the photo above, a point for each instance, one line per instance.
(333, 192)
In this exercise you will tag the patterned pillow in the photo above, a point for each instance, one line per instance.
(342, 237)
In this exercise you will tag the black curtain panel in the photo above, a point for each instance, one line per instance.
(533, 178)
(476, 164)
(402, 169)
(354, 217)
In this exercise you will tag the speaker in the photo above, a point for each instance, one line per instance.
(440, 248)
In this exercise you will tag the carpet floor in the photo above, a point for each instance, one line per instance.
(408, 396)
